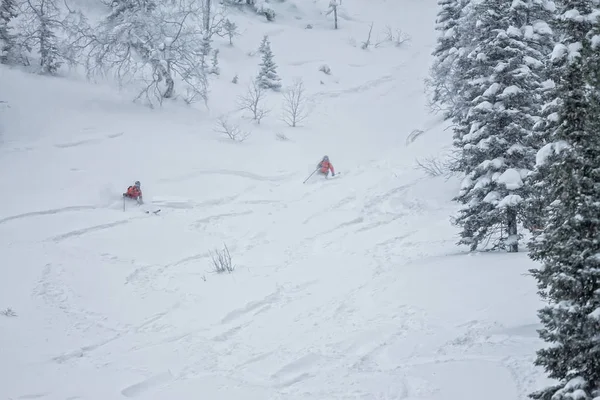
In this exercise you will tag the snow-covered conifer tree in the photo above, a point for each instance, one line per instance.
(540, 19)
(568, 175)
(445, 53)
(263, 44)
(491, 135)
(214, 69)
(8, 11)
(231, 30)
(267, 77)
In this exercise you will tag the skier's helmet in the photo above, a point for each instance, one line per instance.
(137, 183)
(325, 158)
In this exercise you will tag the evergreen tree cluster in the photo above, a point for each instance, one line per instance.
(520, 81)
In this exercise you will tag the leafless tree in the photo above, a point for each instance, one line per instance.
(253, 101)
(294, 104)
(367, 42)
(333, 8)
(230, 130)
(37, 30)
(155, 45)
(214, 18)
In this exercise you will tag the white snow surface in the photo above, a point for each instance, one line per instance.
(351, 288)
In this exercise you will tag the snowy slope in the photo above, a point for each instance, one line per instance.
(344, 289)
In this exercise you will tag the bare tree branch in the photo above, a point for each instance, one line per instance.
(230, 130)
(253, 101)
(294, 104)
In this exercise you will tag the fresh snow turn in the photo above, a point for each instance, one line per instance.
(345, 288)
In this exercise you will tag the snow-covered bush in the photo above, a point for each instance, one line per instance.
(8, 312)
(282, 137)
(325, 69)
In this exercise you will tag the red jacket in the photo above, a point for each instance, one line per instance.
(134, 192)
(325, 166)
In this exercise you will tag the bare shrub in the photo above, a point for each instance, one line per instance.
(221, 260)
(231, 130)
(433, 166)
(8, 313)
(397, 36)
(294, 104)
(253, 101)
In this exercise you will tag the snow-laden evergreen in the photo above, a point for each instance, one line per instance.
(8, 11)
(541, 17)
(568, 178)
(267, 76)
(441, 82)
(492, 138)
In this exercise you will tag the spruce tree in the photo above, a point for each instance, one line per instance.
(263, 44)
(569, 245)
(267, 77)
(538, 17)
(491, 134)
(8, 11)
(445, 52)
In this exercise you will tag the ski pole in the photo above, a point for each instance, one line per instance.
(123, 203)
(310, 175)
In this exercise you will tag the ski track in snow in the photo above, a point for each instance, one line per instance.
(46, 212)
(225, 172)
(84, 231)
(139, 388)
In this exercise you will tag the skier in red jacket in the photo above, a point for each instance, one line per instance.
(325, 166)
(134, 192)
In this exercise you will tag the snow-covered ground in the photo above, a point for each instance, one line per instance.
(350, 288)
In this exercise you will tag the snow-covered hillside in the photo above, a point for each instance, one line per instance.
(347, 288)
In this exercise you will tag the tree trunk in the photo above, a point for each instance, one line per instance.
(335, 17)
(511, 216)
(207, 15)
